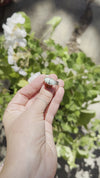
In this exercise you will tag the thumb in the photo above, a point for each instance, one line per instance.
(43, 99)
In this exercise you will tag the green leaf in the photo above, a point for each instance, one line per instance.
(96, 69)
(87, 142)
(68, 84)
(55, 21)
(22, 83)
(83, 153)
(67, 154)
(75, 130)
(50, 42)
(92, 93)
(66, 127)
(86, 116)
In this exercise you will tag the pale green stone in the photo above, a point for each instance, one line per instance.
(50, 81)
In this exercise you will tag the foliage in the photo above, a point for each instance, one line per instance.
(75, 131)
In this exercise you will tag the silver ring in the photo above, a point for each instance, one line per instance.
(50, 81)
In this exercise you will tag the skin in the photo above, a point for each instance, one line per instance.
(31, 151)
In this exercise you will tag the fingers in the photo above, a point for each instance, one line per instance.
(31, 101)
(54, 105)
(25, 93)
(40, 98)
(44, 97)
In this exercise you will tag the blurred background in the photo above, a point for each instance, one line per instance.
(80, 31)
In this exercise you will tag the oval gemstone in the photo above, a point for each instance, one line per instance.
(50, 81)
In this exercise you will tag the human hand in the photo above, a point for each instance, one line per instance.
(31, 151)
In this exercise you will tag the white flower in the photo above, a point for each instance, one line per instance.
(16, 18)
(88, 82)
(19, 70)
(84, 77)
(15, 35)
(10, 50)
(16, 68)
(22, 72)
(68, 70)
(85, 71)
(10, 55)
(10, 60)
(33, 76)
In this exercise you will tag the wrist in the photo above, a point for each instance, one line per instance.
(12, 172)
(15, 169)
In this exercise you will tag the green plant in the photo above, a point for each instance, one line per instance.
(23, 57)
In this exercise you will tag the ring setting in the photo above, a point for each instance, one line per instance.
(50, 82)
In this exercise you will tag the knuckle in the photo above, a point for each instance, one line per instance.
(46, 94)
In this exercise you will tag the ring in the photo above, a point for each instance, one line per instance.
(50, 81)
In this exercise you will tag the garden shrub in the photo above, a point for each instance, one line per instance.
(23, 57)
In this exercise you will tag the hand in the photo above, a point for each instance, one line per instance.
(31, 151)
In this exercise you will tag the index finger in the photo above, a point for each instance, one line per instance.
(25, 93)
